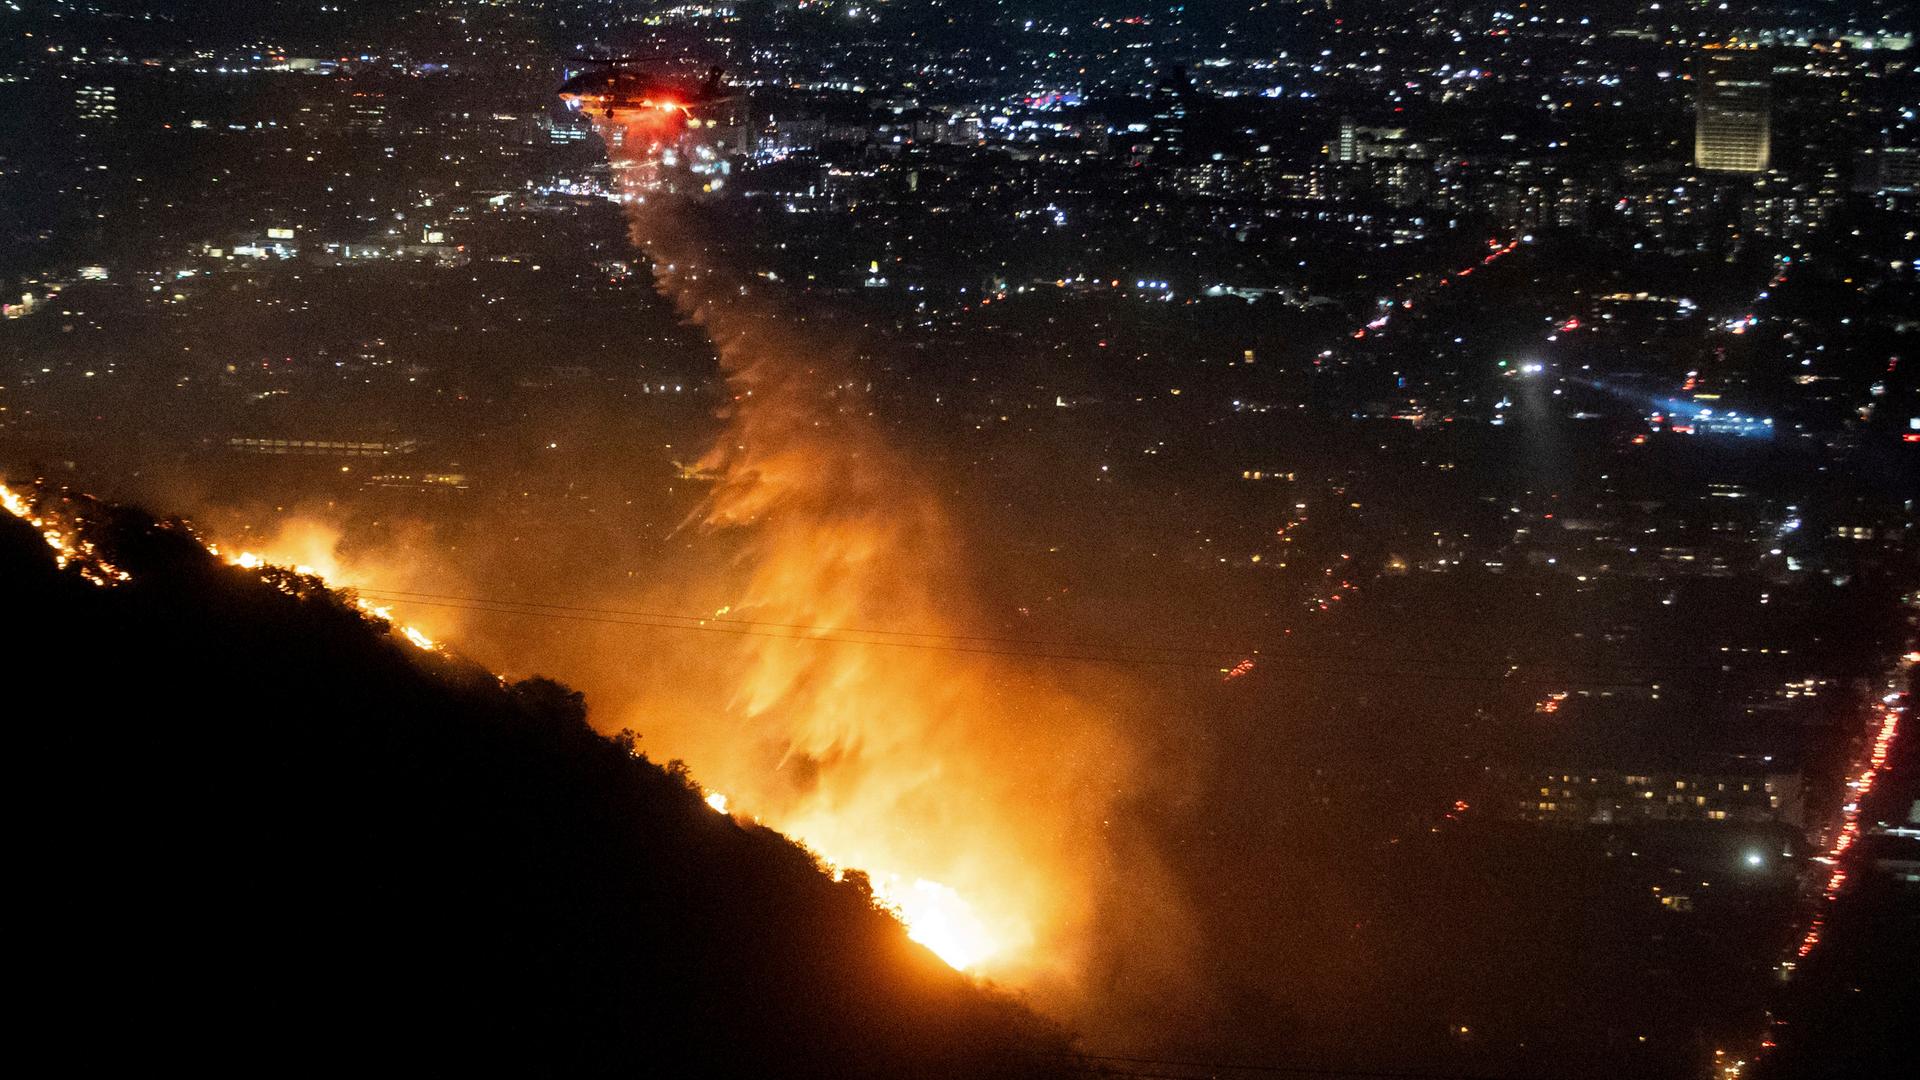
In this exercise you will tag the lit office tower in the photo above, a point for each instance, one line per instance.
(1732, 129)
(1170, 97)
(1347, 150)
(95, 102)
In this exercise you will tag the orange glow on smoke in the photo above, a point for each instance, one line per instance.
(248, 560)
(74, 551)
(934, 913)
(312, 549)
(970, 791)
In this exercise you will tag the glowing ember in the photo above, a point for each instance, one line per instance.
(70, 550)
(15, 505)
(248, 560)
(717, 801)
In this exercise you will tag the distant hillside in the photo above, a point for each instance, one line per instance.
(254, 831)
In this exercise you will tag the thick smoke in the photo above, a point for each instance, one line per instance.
(993, 799)
(931, 766)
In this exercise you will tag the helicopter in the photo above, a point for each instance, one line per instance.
(614, 91)
(663, 134)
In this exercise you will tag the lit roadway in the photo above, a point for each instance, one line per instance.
(1866, 797)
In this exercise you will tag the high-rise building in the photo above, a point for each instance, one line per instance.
(1733, 123)
(95, 102)
(1347, 150)
(1169, 132)
(1890, 170)
(1382, 161)
(1358, 145)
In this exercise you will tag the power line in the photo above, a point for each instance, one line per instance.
(826, 635)
(401, 595)
(1211, 1072)
(1118, 1065)
(1045, 642)
(503, 608)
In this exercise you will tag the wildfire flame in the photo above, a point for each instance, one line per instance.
(70, 549)
(74, 551)
(332, 579)
(972, 793)
(936, 916)
(978, 797)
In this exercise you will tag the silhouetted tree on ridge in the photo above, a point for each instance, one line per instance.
(259, 833)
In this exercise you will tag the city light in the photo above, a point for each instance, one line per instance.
(934, 539)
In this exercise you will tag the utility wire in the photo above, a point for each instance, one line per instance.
(484, 607)
(823, 634)
(1207, 649)
(1117, 1065)
(400, 595)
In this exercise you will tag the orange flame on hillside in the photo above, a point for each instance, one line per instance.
(979, 799)
(73, 551)
(70, 549)
(972, 793)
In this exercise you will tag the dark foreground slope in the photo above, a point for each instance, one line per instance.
(252, 831)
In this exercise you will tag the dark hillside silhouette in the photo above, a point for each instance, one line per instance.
(252, 831)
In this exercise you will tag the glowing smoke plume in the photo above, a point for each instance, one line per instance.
(979, 796)
(974, 793)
